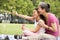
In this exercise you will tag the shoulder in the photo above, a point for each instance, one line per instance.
(51, 16)
(40, 21)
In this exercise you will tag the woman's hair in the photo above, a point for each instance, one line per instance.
(37, 10)
(41, 16)
(45, 6)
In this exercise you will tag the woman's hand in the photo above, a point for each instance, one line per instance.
(15, 13)
(41, 23)
(23, 27)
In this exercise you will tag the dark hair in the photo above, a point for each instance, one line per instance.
(37, 9)
(45, 6)
(41, 16)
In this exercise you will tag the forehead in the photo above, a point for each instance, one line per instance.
(35, 12)
(39, 7)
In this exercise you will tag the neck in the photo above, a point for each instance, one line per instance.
(45, 14)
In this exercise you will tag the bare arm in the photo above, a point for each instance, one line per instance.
(26, 17)
(23, 16)
(52, 28)
(36, 29)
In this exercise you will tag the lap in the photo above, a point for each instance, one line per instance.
(28, 33)
(32, 35)
(42, 36)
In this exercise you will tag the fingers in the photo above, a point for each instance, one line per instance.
(23, 27)
(14, 13)
(41, 23)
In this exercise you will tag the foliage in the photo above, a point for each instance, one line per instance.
(21, 6)
(26, 6)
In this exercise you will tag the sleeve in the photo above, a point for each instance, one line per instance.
(53, 19)
(40, 21)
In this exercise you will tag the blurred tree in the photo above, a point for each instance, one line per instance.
(55, 5)
(26, 6)
(21, 6)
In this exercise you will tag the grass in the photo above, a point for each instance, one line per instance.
(12, 28)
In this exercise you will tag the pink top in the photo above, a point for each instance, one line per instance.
(52, 18)
(59, 30)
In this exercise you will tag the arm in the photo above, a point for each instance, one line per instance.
(52, 28)
(23, 16)
(26, 17)
(36, 29)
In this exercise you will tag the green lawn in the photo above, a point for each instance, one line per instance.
(12, 28)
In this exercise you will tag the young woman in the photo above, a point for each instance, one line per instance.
(38, 29)
(52, 23)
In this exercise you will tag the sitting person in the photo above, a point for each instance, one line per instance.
(35, 18)
(38, 29)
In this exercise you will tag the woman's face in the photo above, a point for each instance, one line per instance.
(35, 14)
(40, 10)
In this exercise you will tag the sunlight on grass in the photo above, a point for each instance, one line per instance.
(12, 28)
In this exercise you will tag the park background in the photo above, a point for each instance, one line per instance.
(11, 24)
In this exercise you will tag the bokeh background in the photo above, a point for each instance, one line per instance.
(11, 24)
